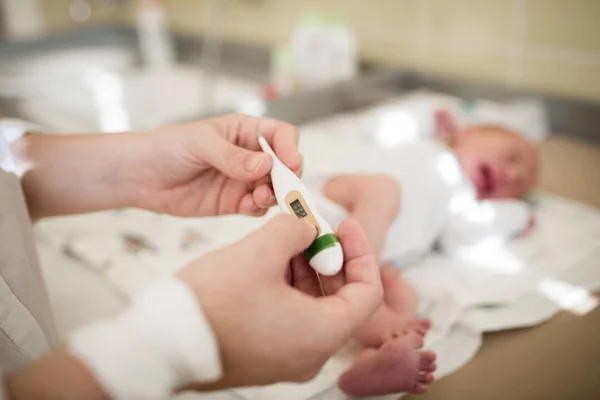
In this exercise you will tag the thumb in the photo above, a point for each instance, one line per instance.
(281, 239)
(362, 291)
(234, 161)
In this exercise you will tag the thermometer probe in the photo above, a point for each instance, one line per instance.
(325, 254)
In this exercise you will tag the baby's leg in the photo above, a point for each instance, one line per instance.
(374, 200)
(397, 314)
(397, 366)
(400, 295)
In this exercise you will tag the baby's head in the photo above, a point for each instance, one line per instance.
(500, 163)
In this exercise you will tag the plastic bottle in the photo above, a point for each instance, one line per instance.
(341, 47)
(309, 50)
(156, 46)
(283, 71)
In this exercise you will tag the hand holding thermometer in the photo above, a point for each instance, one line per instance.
(324, 254)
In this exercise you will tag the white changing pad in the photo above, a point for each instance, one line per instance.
(521, 284)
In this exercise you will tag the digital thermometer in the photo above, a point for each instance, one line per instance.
(325, 253)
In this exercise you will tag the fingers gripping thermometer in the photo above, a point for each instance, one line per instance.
(324, 254)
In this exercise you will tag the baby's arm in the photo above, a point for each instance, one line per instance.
(374, 200)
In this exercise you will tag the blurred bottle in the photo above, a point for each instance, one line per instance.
(324, 49)
(156, 45)
(22, 19)
(283, 73)
(308, 44)
(343, 61)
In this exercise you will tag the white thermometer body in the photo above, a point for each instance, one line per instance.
(325, 254)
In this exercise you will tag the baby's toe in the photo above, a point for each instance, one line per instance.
(420, 388)
(425, 378)
(430, 367)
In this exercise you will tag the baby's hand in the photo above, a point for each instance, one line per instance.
(445, 124)
(530, 227)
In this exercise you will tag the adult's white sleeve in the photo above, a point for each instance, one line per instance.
(10, 131)
(163, 341)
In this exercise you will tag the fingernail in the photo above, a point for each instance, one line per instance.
(315, 229)
(252, 163)
(272, 199)
(299, 160)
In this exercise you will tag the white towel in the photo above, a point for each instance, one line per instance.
(547, 271)
(519, 284)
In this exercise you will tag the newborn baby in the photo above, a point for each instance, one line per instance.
(408, 200)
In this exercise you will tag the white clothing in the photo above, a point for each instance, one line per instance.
(26, 324)
(161, 342)
(439, 204)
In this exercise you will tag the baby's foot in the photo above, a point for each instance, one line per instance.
(396, 317)
(395, 367)
(387, 324)
(382, 326)
(419, 326)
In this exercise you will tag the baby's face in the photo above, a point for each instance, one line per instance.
(500, 164)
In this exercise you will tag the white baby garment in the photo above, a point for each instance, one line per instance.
(439, 204)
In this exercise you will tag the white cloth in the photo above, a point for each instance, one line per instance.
(26, 324)
(413, 117)
(426, 193)
(160, 343)
(555, 269)
(456, 293)
(439, 204)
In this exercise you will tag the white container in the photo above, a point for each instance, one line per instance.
(324, 48)
(341, 48)
(309, 50)
(156, 45)
(22, 18)
(283, 73)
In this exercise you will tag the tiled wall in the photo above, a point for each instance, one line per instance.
(57, 13)
(552, 45)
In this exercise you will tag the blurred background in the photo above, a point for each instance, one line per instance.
(356, 70)
(114, 65)
(551, 45)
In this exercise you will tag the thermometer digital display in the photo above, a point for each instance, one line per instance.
(298, 209)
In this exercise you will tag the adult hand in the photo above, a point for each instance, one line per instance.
(204, 168)
(212, 167)
(267, 330)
